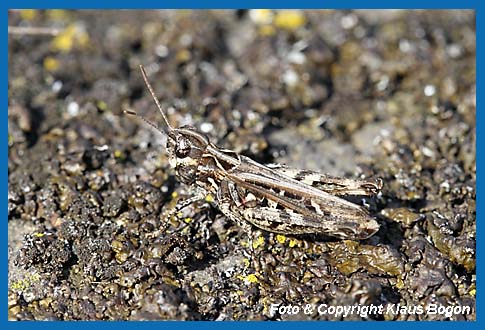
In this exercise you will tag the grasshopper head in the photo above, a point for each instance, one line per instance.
(185, 147)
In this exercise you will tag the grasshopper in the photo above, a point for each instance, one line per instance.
(274, 198)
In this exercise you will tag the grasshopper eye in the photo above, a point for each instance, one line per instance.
(183, 148)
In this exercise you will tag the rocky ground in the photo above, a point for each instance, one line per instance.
(387, 94)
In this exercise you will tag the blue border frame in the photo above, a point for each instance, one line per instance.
(341, 4)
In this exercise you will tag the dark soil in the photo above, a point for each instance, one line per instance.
(387, 94)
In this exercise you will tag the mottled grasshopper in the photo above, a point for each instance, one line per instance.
(271, 197)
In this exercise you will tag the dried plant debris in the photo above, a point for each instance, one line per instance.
(94, 229)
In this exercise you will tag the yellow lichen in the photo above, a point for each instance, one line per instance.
(73, 35)
(281, 238)
(102, 105)
(267, 30)
(171, 282)
(251, 278)
(51, 64)
(289, 19)
(183, 56)
(58, 14)
(119, 154)
(258, 242)
(25, 282)
(28, 14)
(261, 16)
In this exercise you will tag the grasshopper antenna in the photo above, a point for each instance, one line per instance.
(132, 113)
(143, 73)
